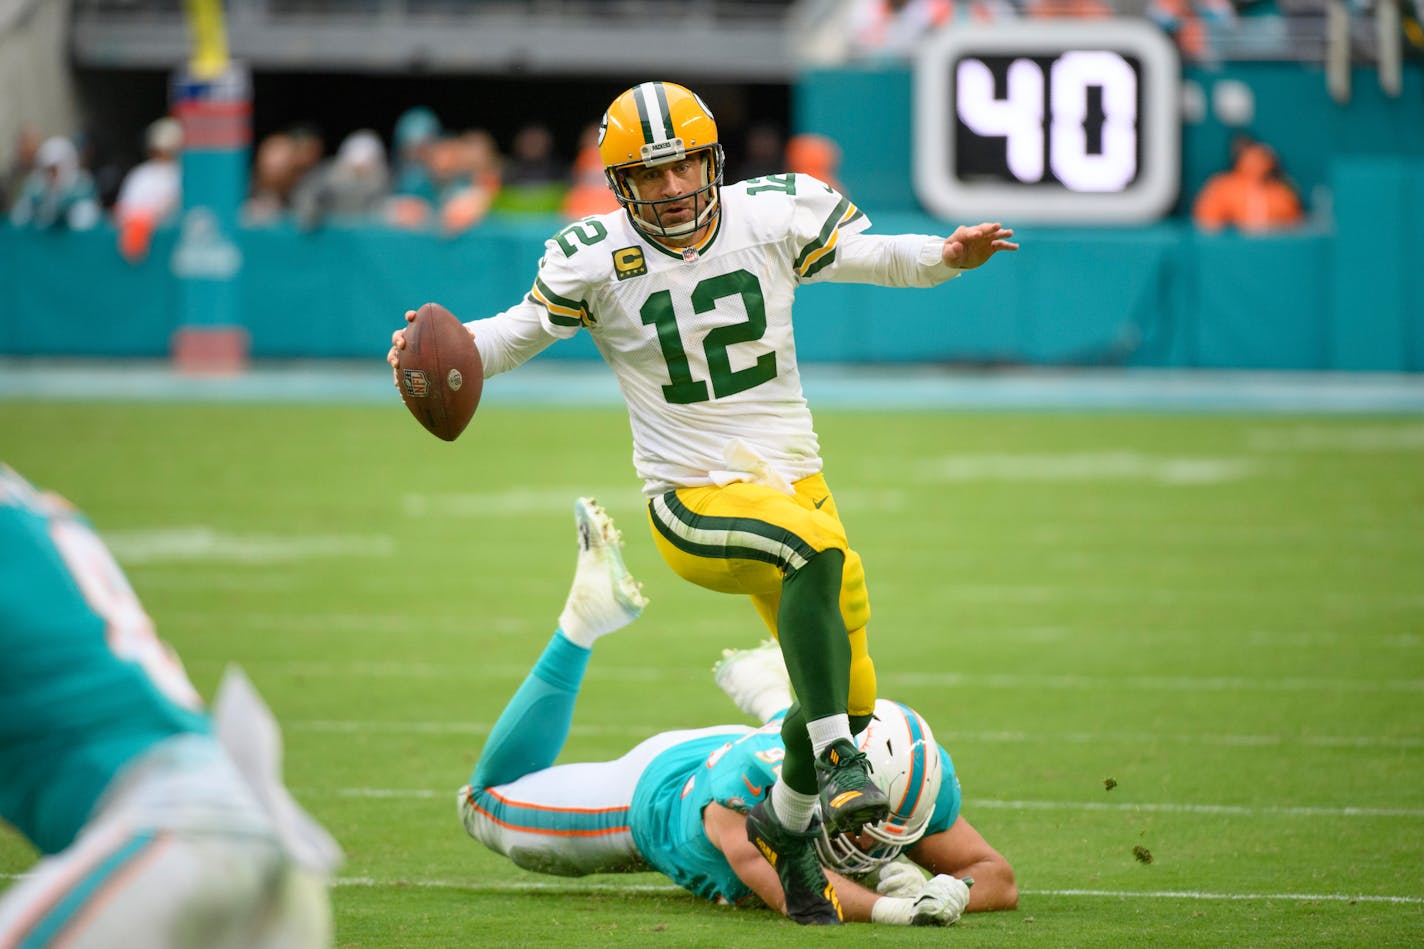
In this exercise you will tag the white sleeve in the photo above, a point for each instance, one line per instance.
(890, 260)
(511, 338)
(555, 308)
(829, 242)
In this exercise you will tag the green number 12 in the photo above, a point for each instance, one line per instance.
(682, 388)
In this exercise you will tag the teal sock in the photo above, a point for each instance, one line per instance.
(532, 729)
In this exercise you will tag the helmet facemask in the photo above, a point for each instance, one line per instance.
(905, 764)
(647, 213)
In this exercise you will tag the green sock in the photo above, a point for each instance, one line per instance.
(798, 768)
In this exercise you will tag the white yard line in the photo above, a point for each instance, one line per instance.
(1238, 684)
(636, 730)
(582, 889)
(1220, 810)
(577, 889)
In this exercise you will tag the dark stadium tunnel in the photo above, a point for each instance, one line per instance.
(118, 104)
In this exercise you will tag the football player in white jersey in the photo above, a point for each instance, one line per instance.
(687, 293)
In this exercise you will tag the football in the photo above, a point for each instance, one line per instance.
(441, 373)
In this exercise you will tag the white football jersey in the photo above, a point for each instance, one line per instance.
(700, 338)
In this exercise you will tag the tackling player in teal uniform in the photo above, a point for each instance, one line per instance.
(687, 293)
(152, 834)
(678, 802)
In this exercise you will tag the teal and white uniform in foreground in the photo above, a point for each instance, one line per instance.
(85, 686)
(642, 811)
(112, 768)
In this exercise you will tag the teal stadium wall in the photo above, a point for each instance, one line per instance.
(1343, 293)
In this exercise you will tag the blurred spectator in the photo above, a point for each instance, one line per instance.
(1190, 22)
(815, 155)
(535, 181)
(473, 180)
(274, 177)
(1252, 196)
(12, 180)
(590, 193)
(894, 28)
(308, 149)
(152, 192)
(57, 193)
(414, 144)
(104, 165)
(1068, 9)
(764, 153)
(352, 186)
(416, 134)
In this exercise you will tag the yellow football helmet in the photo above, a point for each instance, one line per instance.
(652, 124)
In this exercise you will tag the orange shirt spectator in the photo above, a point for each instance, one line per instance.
(1250, 197)
(815, 155)
(590, 193)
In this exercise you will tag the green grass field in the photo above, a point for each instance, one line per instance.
(1224, 615)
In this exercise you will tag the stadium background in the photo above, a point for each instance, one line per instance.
(1317, 297)
(1167, 620)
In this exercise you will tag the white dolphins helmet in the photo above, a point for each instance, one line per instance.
(906, 766)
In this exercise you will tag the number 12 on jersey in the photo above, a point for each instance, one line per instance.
(683, 388)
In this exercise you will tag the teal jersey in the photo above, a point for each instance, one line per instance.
(949, 799)
(736, 771)
(85, 686)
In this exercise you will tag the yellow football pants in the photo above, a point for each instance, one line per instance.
(745, 538)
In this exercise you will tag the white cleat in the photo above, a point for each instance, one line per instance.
(755, 679)
(604, 596)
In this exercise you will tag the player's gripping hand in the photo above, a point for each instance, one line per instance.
(940, 903)
(900, 878)
(397, 344)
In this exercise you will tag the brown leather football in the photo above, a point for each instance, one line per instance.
(441, 373)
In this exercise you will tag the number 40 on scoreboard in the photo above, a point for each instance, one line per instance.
(1051, 122)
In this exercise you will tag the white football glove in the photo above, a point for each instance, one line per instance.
(941, 903)
(900, 878)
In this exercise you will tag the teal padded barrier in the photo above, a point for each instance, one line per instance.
(867, 112)
(72, 294)
(1375, 313)
(1152, 296)
(1259, 302)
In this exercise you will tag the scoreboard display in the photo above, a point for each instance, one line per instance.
(1067, 121)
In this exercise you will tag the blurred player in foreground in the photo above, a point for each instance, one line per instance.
(678, 802)
(161, 827)
(687, 292)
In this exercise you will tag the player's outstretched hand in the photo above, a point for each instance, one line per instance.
(397, 344)
(968, 247)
